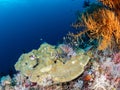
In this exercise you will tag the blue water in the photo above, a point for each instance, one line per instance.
(25, 24)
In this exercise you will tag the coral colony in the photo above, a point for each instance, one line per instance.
(87, 60)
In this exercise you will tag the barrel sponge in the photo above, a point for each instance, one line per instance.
(46, 66)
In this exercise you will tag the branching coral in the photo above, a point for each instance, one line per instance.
(102, 25)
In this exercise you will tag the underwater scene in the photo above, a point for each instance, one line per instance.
(59, 44)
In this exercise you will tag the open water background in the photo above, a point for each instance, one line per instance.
(25, 24)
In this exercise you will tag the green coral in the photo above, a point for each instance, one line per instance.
(46, 67)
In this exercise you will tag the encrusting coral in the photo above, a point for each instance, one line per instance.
(103, 25)
(50, 65)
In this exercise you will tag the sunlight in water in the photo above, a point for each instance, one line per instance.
(7, 3)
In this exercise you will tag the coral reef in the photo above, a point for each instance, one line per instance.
(100, 73)
(50, 65)
(88, 60)
(106, 73)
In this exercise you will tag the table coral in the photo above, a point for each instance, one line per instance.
(47, 66)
